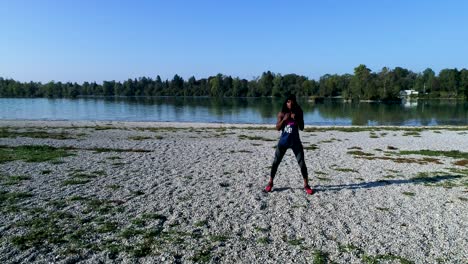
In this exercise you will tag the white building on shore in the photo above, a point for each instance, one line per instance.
(408, 93)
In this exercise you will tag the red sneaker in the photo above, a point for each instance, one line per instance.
(308, 190)
(269, 187)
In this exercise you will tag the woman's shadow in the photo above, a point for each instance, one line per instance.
(381, 183)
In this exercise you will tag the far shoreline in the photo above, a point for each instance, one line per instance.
(152, 124)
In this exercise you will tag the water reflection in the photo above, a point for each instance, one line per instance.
(234, 110)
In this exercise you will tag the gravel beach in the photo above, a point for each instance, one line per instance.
(142, 192)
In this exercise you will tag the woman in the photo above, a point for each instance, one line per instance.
(290, 120)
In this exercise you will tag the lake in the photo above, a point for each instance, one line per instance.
(234, 110)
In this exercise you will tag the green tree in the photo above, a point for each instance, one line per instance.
(227, 86)
(463, 90)
(158, 86)
(108, 88)
(265, 84)
(236, 87)
(448, 79)
(428, 77)
(277, 85)
(359, 82)
(215, 85)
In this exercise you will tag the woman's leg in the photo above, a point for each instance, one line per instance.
(279, 154)
(299, 152)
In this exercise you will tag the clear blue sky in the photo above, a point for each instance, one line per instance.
(95, 40)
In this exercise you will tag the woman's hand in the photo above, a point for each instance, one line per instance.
(286, 116)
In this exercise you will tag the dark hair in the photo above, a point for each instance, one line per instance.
(295, 108)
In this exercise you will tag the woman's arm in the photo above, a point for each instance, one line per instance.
(281, 118)
(300, 120)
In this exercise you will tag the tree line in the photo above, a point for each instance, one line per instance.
(362, 85)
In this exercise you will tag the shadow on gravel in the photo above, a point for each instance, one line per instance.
(382, 183)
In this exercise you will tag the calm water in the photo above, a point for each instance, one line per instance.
(233, 110)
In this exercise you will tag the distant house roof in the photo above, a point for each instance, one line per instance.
(408, 92)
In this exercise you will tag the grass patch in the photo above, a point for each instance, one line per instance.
(320, 172)
(409, 193)
(77, 198)
(425, 152)
(138, 193)
(463, 162)
(138, 222)
(359, 153)
(218, 238)
(345, 170)
(75, 181)
(320, 257)
(311, 147)
(13, 197)
(58, 204)
(139, 137)
(201, 223)
(383, 209)
(49, 229)
(130, 232)
(83, 176)
(295, 242)
(99, 206)
(31, 153)
(412, 133)
(422, 161)
(107, 227)
(263, 240)
(260, 229)
(355, 148)
(153, 216)
(202, 256)
(350, 248)
(323, 178)
(463, 172)
(5, 133)
(13, 180)
(387, 257)
(162, 129)
(255, 138)
(101, 150)
(99, 173)
(103, 128)
(142, 249)
(329, 140)
(71, 234)
(113, 187)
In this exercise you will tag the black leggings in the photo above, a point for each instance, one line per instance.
(279, 154)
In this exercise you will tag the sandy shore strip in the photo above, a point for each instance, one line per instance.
(147, 192)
